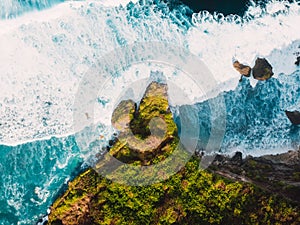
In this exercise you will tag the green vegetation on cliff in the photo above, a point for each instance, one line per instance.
(190, 196)
(148, 144)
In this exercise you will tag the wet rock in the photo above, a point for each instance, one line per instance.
(297, 63)
(262, 69)
(242, 69)
(294, 117)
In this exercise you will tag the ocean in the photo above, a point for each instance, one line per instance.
(48, 47)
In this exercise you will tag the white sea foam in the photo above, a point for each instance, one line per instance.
(272, 33)
(44, 55)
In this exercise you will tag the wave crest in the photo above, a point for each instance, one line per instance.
(12, 8)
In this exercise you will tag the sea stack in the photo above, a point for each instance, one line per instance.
(262, 69)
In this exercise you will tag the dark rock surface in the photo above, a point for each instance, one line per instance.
(276, 173)
(298, 61)
(294, 117)
(262, 69)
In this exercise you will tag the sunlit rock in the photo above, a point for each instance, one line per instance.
(147, 130)
(242, 69)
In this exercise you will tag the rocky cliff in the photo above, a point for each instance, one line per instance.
(232, 191)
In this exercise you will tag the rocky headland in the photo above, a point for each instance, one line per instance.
(233, 190)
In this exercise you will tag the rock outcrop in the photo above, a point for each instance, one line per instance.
(262, 69)
(294, 117)
(297, 63)
(254, 193)
(276, 173)
(242, 69)
(146, 131)
(191, 196)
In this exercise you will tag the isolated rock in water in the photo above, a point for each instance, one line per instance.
(298, 61)
(294, 117)
(262, 69)
(242, 69)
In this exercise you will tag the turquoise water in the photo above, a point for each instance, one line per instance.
(256, 123)
(34, 172)
(256, 117)
(32, 175)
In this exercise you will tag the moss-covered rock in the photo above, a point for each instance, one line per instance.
(147, 145)
(191, 196)
(146, 131)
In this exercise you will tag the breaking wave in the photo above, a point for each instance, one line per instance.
(45, 54)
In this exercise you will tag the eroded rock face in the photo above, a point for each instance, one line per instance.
(262, 69)
(242, 69)
(294, 117)
(74, 206)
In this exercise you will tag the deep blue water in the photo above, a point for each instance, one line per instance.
(226, 7)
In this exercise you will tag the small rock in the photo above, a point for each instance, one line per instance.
(298, 61)
(262, 69)
(237, 159)
(219, 160)
(242, 69)
(294, 117)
